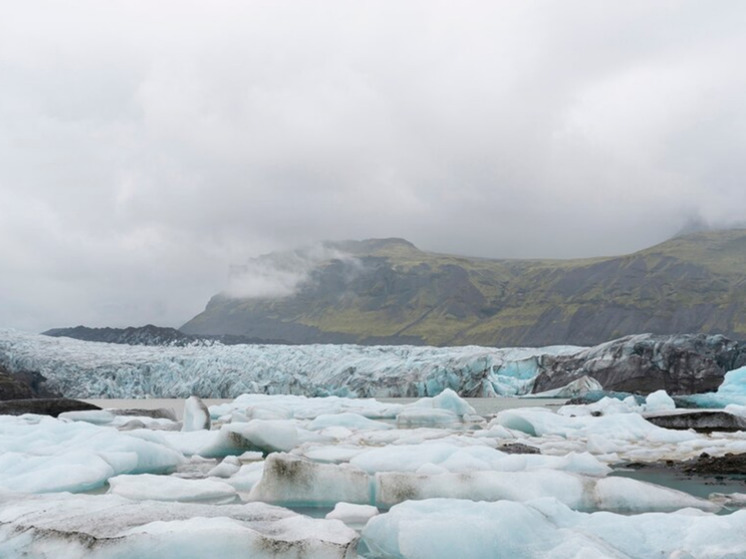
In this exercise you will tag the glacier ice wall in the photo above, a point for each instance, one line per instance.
(79, 369)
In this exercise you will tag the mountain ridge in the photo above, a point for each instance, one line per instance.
(389, 291)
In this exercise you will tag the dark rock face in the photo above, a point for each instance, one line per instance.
(44, 406)
(703, 421)
(680, 364)
(22, 385)
(13, 389)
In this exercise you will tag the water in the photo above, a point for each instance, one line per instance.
(697, 485)
(483, 406)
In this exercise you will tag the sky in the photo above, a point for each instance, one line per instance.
(145, 146)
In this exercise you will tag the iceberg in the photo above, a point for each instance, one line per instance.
(548, 529)
(148, 487)
(42, 454)
(65, 526)
(731, 391)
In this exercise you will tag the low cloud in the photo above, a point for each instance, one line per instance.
(280, 274)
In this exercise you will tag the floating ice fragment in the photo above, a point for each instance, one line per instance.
(659, 401)
(196, 415)
(353, 515)
(110, 527)
(146, 487)
(547, 529)
(291, 480)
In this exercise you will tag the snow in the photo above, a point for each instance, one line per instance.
(81, 369)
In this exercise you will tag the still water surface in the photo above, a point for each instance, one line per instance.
(483, 406)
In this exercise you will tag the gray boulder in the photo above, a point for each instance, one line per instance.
(703, 421)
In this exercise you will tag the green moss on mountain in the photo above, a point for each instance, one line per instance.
(388, 291)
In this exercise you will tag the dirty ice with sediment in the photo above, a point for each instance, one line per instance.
(288, 475)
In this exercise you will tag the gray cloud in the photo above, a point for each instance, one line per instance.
(282, 273)
(145, 148)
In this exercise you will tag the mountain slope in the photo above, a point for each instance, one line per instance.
(388, 291)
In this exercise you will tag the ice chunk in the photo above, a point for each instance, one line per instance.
(659, 401)
(291, 480)
(619, 429)
(168, 488)
(108, 526)
(575, 491)
(265, 435)
(626, 495)
(247, 476)
(227, 467)
(578, 387)
(547, 529)
(456, 458)
(97, 417)
(353, 515)
(56, 455)
(196, 415)
(447, 400)
(731, 391)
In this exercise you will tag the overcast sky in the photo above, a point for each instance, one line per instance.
(146, 145)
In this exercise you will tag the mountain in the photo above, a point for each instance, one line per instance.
(389, 291)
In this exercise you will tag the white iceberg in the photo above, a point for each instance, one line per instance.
(547, 529)
(68, 526)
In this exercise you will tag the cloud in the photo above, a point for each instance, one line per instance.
(146, 147)
(281, 274)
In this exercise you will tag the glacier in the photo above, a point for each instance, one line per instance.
(79, 369)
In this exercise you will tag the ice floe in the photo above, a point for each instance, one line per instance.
(548, 529)
(431, 468)
(65, 526)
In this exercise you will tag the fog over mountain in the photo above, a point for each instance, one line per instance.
(147, 147)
